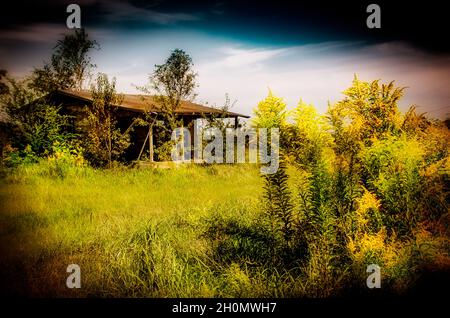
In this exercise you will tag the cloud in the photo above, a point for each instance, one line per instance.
(239, 57)
(41, 32)
(232, 57)
(125, 11)
(319, 73)
(25, 47)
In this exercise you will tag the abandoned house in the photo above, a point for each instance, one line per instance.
(143, 138)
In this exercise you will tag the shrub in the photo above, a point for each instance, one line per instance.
(63, 158)
(270, 113)
(15, 157)
(393, 173)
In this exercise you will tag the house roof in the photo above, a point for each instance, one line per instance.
(142, 103)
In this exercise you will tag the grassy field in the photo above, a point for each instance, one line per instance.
(133, 232)
(193, 231)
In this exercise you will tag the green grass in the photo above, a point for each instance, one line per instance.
(193, 231)
(133, 232)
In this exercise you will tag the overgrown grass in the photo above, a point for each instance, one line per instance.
(194, 231)
(133, 232)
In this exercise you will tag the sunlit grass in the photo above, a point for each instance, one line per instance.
(101, 220)
(193, 231)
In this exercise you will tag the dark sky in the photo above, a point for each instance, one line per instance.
(286, 22)
(300, 49)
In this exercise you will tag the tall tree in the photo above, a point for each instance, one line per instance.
(175, 79)
(170, 84)
(69, 66)
(173, 82)
(103, 141)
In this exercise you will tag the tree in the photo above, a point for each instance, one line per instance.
(173, 82)
(103, 141)
(170, 84)
(31, 120)
(175, 79)
(69, 66)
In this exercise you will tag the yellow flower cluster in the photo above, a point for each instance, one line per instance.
(367, 202)
(375, 248)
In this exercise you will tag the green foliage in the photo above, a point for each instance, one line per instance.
(69, 66)
(307, 138)
(62, 158)
(235, 241)
(278, 205)
(369, 110)
(174, 80)
(320, 192)
(343, 200)
(398, 172)
(164, 150)
(366, 182)
(14, 157)
(270, 113)
(103, 141)
(31, 119)
(170, 84)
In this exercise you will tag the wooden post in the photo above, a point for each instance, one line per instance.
(236, 122)
(193, 122)
(150, 141)
(182, 139)
(143, 146)
(109, 143)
